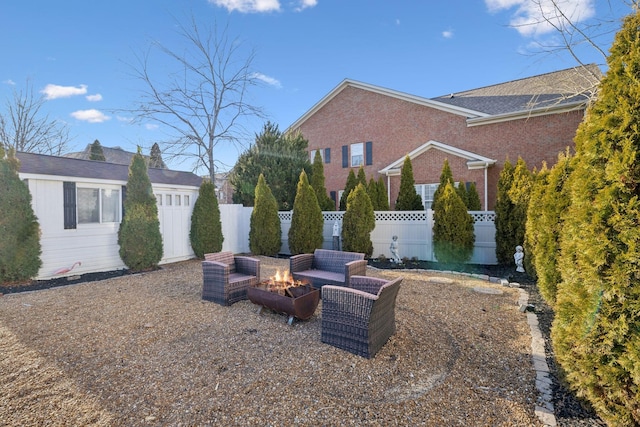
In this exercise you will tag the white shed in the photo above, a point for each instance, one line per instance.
(79, 207)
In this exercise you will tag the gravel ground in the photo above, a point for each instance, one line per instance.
(145, 349)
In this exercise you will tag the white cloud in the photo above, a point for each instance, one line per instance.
(447, 34)
(533, 18)
(124, 119)
(9, 82)
(397, 21)
(305, 4)
(52, 91)
(268, 80)
(94, 98)
(151, 126)
(247, 6)
(91, 116)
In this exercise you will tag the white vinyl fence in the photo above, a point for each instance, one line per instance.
(413, 228)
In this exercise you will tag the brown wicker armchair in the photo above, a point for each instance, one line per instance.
(226, 277)
(361, 318)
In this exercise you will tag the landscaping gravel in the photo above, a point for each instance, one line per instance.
(145, 349)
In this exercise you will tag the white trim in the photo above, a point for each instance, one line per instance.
(525, 114)
(386, 92)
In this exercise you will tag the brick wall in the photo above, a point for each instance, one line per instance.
(396, 127)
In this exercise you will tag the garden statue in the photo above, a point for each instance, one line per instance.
(336, 236)
(394, 250)
(519, 259)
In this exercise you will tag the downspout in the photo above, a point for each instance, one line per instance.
(486, 197)
(389, 189)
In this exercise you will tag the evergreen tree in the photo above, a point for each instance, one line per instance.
(19, 229)
(265, 235)
(446, 176)
(453, 232)
(280, 158)
(155, 157)
(305, 234)
(519, 193)
(596, 329)
(205, 234)
(461, 189)
(383, 200)
(352, 182)
(372, 192)
(473, 198)
(408, 199)
(317, 182)
(139, 233)
(358, 222)
(505, 233)
(96, 152)
(361, 177)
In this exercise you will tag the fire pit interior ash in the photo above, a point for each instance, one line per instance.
(282, 294)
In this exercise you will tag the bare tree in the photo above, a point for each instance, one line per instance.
(576, 37)
(204, 103)
(26, 128)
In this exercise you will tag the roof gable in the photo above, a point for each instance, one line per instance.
(474, 161)
(40, 164)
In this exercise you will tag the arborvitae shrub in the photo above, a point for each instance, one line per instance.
(545, 223)
(461, 189)
(473, 198)
(317, 182)
(206, 227)
(408, 199)
(358, 222)
(305, 234)
(532, 227)
(352, 181)
(383, 200)
(596, 328)
(453, 232)
(520, 193)
(139, 233)
(19, 229)
(505, 238)
(155, 157)
(446, 176)
(265, 234)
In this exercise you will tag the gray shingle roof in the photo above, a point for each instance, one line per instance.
(65, 166)
(568, 86)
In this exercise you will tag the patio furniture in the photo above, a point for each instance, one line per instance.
(361, 318)
(327, 267)
(226, 277)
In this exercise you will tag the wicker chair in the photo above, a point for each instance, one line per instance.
(226, 277)
(361, 318)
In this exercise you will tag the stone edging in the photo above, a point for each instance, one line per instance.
(544, 408)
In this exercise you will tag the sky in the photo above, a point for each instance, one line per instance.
(80, 55)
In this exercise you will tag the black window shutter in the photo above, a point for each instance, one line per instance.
(345, 156)
(69, 200)
(327, 155)
(368, 149)
(333, 196)
(124, 196)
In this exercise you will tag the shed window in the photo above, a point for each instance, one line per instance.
(97, 205)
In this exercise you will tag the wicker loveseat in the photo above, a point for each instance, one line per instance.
(226, 277)
(360, 319)
(327, 267)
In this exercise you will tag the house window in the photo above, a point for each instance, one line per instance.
(168, 199)
(426, 191)
(178, 200)
(186, 200)
(159, 199)
(357, 154)
(312, 154)
(98, 205)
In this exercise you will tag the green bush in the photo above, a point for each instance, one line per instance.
(473, 198)
(596, 329)
(305, 234)
(317, 182)
(358, 222)
(206, 228)
(453, 232)
(139, 233)
(265, 235)
(408, 199)
(505, 233)
(352, 181)
(19, 229)
(446, 176)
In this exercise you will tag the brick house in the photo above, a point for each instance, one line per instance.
(477, 130)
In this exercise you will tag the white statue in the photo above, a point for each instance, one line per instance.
(518, 257)
(336, 236)
(394, 250)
